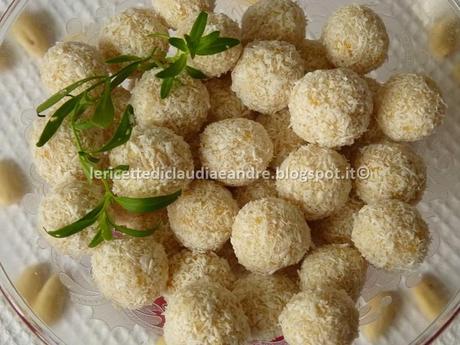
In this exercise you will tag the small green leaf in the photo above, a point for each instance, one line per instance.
(148, 66)
(159, 35)
(124, 74)
(74, 228)
(198, 27)
(218, 46)
(195, 73)
(104, 226)
(209, 39)
(175, 69)
(97, 240)
(88, 164)
(179, 43)
(105, 111)
(123, 132)
(63, 93)
(132, 232)
(123, 59)
(56, 120)
(143, 205)
(166, 87)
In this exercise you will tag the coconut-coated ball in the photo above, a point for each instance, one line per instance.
(130, 33)
(270, 234)
(225, 104)
(337, 228)
(393, 171)
(130, 272)
(175, 11)
(278, 20)
(409, 107)
(262, 188)
(355, 37)
(236, 151)
(323, 316)
(205, 313)
(331, 108)
(189, 267)
(338, 266)
(315, 178)
(391, 235)
(217, 64)
(265, 75)
(156, 152)
(66, 203)
(284, 139)
(203, 215)
(184, 111)
(68, 62)
(263, 299)
(314, 54)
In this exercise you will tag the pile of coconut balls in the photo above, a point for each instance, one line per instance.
(242, 259)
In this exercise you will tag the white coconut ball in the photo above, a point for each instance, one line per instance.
(284, 139)
(184, 111)
(130, 272)
(154, 151)
(175, 11)
(265, 75)
(262, 188)
(207, 314)
(65, 204)
(338, 266)
(236, 151)
(270, 234)
(391, 235)
(69, 62)
(315, 178)
(355, 37)
(225, 104)
(409, 107)
(314, 54)
(281, 20)
(263, 299)
(202, 217)
(130, 33)
(189, 267)
(322, 316)
(393, 171)
(217, 64)
(331, 108)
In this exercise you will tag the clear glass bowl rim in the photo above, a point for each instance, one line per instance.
(46, 335)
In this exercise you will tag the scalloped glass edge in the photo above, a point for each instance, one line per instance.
(46, 335)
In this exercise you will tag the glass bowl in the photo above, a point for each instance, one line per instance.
(89, 318)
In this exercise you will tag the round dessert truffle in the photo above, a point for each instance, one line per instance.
(338, 266)
(69, 62)
(284, 139)
(391, 235)
(393, 171)
(270, 234)
(202, 217)
(331, 108)
(278, 20)
(355, 37)
(207, 314)
(314, 54)
(184, 111)
(265, 75)
(236, 151)
(154, 151)
(130, 272)
(336, 228)
(130, 33)
(217, 64)
(263, 299)
(224, 102)
(262, 188)
(175, 11)
(323, 316)
(186, 268)
(315, 178)
(409, 107)
(66, 203)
